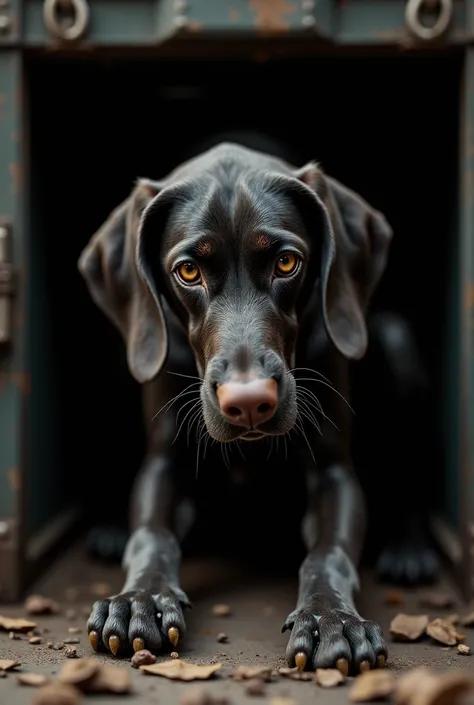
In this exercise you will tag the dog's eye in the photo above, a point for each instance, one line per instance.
(286, 264)
(189, 273)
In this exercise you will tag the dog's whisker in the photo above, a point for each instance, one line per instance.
(187, 390)
(307, 442)
(179, 374)
(309, 369)
(191, 423)
(305, 411)
(183, 406)
(325, 384)
(312, 401)
(190, 411)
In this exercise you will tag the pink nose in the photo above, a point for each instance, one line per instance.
(248, 404)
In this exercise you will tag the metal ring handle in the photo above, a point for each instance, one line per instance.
(427, 34)
(80, 10)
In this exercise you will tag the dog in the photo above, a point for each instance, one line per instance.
(239, 270)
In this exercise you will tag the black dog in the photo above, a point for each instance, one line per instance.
(241, 270)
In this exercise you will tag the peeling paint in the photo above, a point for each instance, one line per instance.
(270, 15)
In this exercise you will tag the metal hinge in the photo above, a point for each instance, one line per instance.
(7, 284)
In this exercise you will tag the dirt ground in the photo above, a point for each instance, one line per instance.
(253, 628)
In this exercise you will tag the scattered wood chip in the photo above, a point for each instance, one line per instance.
(372, 685)
(11, 624)
(221, 610)
(9, 664)
(79, 672)
(467, 620)
(198, 696)
(174, 654)
(109, 679)
(329, 677)
(35, 640)
(176, 669)
(70, 652)
(71, 640)
(255, 686)
(437, 600)
(74, 630)
(442, 631)
(464, 650)
(57, 694)
(248, 672)
(394, 597)
(38, 604)
(34, 679)
(222, 638)
(408, 627)
(142, 658)
(422, 686)
(295, 674)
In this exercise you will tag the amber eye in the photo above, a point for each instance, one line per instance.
(286, 264)
(189, 273)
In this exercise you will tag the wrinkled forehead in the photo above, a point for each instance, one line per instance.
(246, 213)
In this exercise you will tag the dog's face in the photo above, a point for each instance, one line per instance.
(239, 244)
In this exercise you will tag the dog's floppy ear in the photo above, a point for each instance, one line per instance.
(354, 253)
(109, 266)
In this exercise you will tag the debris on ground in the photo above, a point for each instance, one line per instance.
(394, 597)
(142, 658)
(3, 674)
(443, 632)
(71, 640)
(221, 610)
(198, 696)
(329, 677)
(70, 652)
(174, 654)
(109, 679)
(408, 627)
(437, 600)
(255, 686)
(243, 673)
(34, 679)
(14, 635)
(423, 686)
(181, 670)
(57, 694)
(9, 664)
(222, 638)
(38, 604)
(16, 624)
(74, 630)
(372, 685)
(35, 640)
(295, 674)
(464, 650)
(79, 672)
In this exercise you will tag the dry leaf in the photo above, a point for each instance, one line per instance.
(437, 600)
(296, 674)
(407, 627)
(109, 679)
(394, 597)
(467, 620)
(57, 694)
(142, 658)
(464, 650)
(460, 637)
(221, 610)
(422, 686)
(442, 631)
(176, 669)
(9, 664)
(79, 672)
(16, 624)
(372, 685)
(37, 604)
(247, 672)
(33, 679)
(329, 677)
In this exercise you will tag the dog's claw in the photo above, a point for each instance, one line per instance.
(138, 644)
(342, 665)
(300, 661)
(381, 661)
(114, 644)
(94, 640)
(173, 635)
(364, 666)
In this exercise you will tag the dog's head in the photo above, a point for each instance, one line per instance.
(239, 244)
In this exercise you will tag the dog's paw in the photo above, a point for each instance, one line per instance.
(403, 563)
(334, 640)
(137, 620)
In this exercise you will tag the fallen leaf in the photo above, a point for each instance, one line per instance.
(394, 597)
(221, 610)
(109, 679)
(37, 604)
(247, 672)
(9, 664)
(437, 600)
(460, 637)
(295, 674)
(464, 650)
(176, 669)
(57, 694)
(34, 679)
(422, 686)
(467, 620)
(11, 624)
(329, 677)
(372, 685)
(142, 658)
(79, 672)
(407, 627)
(442, 631)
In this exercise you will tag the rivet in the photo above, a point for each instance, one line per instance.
(4, 23)
(308, 21)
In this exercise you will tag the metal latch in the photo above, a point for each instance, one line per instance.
(7, 287)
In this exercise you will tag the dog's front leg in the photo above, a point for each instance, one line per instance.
(148, 612)
(326, 629)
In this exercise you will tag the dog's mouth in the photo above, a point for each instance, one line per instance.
(252, 436)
